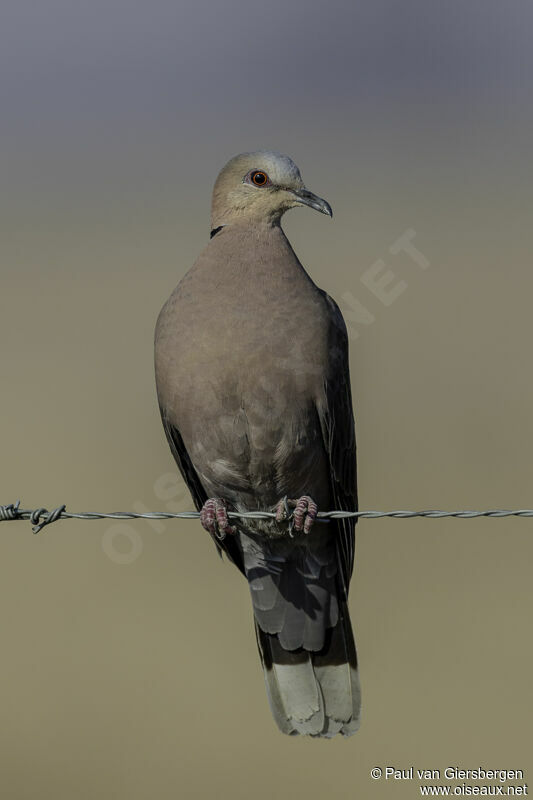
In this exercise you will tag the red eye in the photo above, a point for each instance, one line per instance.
(259, 178)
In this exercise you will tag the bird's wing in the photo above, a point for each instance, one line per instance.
(338, 432)
(229, 544)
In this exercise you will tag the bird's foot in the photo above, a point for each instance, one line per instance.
(302, 515)
(214, 518)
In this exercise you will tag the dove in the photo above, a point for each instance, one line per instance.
(253, 385)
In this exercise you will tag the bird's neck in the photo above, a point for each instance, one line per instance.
(244, 251)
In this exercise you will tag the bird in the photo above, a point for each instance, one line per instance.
(253, 386)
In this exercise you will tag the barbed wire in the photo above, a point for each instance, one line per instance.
(40, 517)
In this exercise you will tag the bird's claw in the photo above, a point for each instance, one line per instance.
(214, 518)
(283, 511)
(303, 515)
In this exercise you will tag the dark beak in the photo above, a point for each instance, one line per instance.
(307, 198)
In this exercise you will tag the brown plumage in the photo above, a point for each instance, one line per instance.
(253, 385)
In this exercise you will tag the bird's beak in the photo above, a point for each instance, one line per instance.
(307, 198)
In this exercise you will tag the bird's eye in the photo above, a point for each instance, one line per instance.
(259, 178)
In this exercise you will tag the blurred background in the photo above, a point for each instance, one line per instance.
(129, 665)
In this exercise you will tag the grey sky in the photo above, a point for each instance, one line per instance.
(64, 61)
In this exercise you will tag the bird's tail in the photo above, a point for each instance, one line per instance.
(314, 693)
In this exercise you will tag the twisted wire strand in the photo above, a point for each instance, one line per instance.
(40, 517)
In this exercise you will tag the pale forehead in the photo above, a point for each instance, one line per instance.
(280, 168)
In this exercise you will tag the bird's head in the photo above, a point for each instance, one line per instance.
(260, 186)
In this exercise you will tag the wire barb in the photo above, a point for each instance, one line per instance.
(48, 517)
(40, 517)
(9, 512)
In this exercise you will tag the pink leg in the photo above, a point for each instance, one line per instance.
(303, 516)
(214, 518)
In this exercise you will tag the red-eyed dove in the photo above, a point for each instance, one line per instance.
(254, 390)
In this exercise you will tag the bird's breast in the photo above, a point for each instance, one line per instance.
(242, 368)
